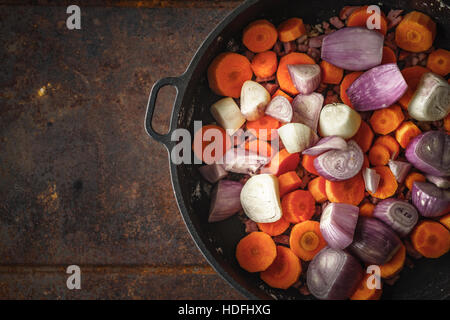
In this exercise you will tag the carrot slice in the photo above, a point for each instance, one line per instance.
(414, 177)
(388, 56)
(256, 252)
(283, 76)
(274, 228)
(317, 189)
(366, 209)
(282, 162)
(330, 73)
(447, 121)
(265, 64)
(395, 265)
(306, 240)
(445, 220)
(385, 121)
(364, 136)
(205, 145)
(227, 73)
(363, 292)
(406, 132)
(345, 84)
(416, 32)
(388, 184)
(260, 36)
(349, 191)
(291, 29)
(264, 128)
(280, 92)
(288, 182)
(298, 206)
(284, 271)
(359, 18)
(390, 143)
(412, 77)
(379, 155)
(260, 147)
(439, 62)
(431, 239)
(308, 164)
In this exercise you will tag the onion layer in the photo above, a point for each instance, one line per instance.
(326, 144)
(401, 216)
(400, 169)
(225, 200)
(239, 160)
(280, 108)
(213, 172)
(430, 200)
(306, 77)
(307, 109)
(440, 182)
(338, 223)
(371, 179)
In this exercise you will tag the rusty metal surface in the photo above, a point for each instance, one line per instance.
(80, 182)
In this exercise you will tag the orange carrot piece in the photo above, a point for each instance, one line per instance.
(330, 73)
(412, 77)
(414, 177)
(284, 271)
(256, 251)
(317, 188)
(298, 206)
(349, 191)
(227, 73)
(205, 137)
(260, 36)
(385, 121)
(388, 56)
(379, 155)
(439, 62)
(445, 220)
(366, 209)
(363, 292)
(416, 32)
(306, 240)
(364, 136)
(291, 29)
(308, 164)
(345, 84)
(280, 92)
(283, 76)
(395, 265)
(265, 64)
(431, 239)
(260, 147)
(282, 162)
(274, 228)
(359, 18)
(447, 122)
(388, 184)
(264, 128)
(390, 143)
(288, 182)
(406, 132)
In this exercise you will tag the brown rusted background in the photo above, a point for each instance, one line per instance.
(80, 181)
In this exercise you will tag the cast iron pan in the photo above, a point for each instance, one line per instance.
(429, 279)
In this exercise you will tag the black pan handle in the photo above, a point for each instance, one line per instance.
(176, 82)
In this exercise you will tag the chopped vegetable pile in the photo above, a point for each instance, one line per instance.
(336, 149)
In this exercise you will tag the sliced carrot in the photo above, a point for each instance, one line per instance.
(414, 177)
(379, 155)
(388, 56)
(345, 84)
(364, 136)
(284, 271)
(280, 92)
(416, 32)
(390, 143)
(306, 240)
(363, 292)
(445, 220)
(385, 121)
(447, 122)
(298, 206)
(366, 209)
(260, 36)
(282, 162)
(330, 73)
(227, 73)
(205, 144)
(395, 265)
(265, 64)
(439, 62)
(349, 191)
(283, 76)
(308, 164)
(359, 18)
(260, 147)
(288, 182)
(388, 184)
(291, 29)
(412, 77)
(406, 132)
(274, 228)
(431, 239)
(264, 127)
(256, 251)
(317, 188)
